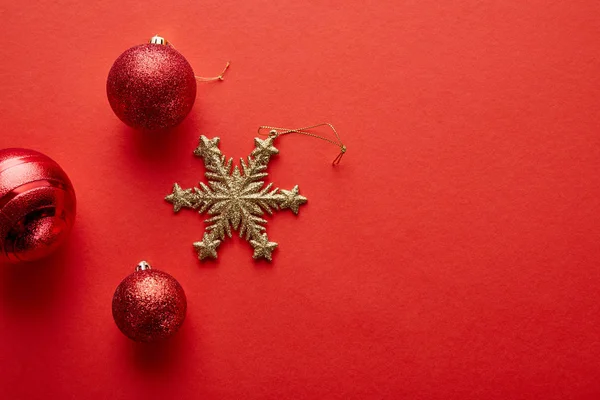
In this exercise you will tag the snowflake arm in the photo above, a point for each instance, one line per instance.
(181, 198)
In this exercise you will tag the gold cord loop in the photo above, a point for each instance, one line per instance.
(216, 78)
(159, 40)
(275, 132)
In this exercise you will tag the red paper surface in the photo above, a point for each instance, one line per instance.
(452, 255)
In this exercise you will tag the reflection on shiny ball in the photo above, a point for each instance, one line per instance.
(37, 205)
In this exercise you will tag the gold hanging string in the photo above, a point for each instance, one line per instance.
(216, 78)
(276, 132)
(160, 40)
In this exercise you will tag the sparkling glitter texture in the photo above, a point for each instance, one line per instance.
(37, 205)
(235, 199)
(149, 305)
(151, 86)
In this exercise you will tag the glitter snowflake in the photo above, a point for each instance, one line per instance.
(235, 198)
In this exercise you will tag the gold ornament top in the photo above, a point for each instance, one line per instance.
(236, 199)
(158, 40)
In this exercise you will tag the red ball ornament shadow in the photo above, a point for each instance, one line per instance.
(162, 358)
(153, 148)
(41, 287)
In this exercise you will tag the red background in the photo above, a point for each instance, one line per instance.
(452, 255)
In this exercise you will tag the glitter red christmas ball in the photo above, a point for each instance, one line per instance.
(149, 305)
(151, 86)
(37, 205)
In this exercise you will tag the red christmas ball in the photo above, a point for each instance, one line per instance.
(149, 305)
(37, 205)
(151, 86)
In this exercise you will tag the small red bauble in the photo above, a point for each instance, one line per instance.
(37, 205)
(151, 86)
(149, 305)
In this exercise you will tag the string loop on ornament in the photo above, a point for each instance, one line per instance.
(219, 77)
(216, 78)
(275, 132)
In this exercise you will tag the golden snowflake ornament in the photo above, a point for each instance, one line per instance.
(235, 198)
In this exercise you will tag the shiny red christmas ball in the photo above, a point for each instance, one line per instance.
(37, 205)
(149, 305)
(151, 86)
